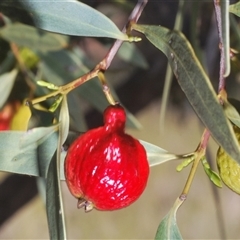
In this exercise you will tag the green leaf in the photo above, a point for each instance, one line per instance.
(55, 217)
(231, 113)
(64, 120)
(7, 63)
(36, 39)
(213, 176)
(70, 17)
(56, 103)
(55, 210)
(47, 85)
(31, 160)
(188, 159)
(194, 83)
(157, 155)
(36, 136)
(78, 121)
(7, 80)
(235, 9)
(61, 67)
(168, 228)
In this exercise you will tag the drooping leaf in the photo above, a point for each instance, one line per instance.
(157, 155)
(235, 9)
(56, 224)
(6, 81)
(194, 83)
(168, 228)
(28, 36)
(32, 159)
(36, 136)
(55, 210)
(231, 113)
(69, 17)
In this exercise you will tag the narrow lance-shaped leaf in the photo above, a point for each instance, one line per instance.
(7, 81)
(194, 83)
(69, 17)
(168, 228)
(36, 136)
(56, 223)
(17, 156)
(157, 155)
(36, 39)
(55, 210)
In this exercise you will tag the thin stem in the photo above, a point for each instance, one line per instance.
(222, 81)
(68, 87)
(198, 155)
(103, 65)
(134, 16)
(105, 88)
(45, 97)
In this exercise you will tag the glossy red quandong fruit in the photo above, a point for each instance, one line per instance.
(105, 168)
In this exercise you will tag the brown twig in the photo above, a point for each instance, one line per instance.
(103, 65)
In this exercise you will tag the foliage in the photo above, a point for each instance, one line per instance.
(44, 57)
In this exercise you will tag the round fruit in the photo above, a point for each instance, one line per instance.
(229, 169)
(105, 168)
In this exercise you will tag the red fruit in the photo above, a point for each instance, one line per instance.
(106, 168)
(6, 115)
